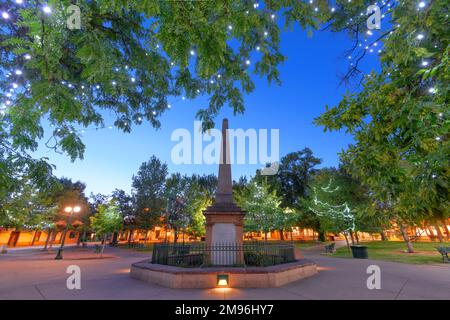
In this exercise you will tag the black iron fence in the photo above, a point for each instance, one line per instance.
(259, 254)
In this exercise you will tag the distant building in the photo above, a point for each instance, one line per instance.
(24, 238)
(27, 237)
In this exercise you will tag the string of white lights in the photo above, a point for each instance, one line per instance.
(326, 210)
(47, 10)
(15, 87)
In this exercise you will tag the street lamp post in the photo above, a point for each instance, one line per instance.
(70, 210)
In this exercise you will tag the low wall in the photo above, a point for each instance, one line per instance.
(252, 277)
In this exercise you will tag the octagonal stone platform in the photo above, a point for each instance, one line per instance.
(248, 277)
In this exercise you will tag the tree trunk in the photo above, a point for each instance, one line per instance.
(346, 240)
(114, 240)
(84, 236)
(103, 246)
(439, 233)
(447, 232)
(53, 237)
(430, 233)
(79, 239)
(352, 238)
(130, 236)
(321, 236)
(33, 238)
(146, 236)
(409, 246)
(281, 234)
(49, 235)
(356, 236)
(265, 236)
(383, 236)
(427, 232)
(175, 236)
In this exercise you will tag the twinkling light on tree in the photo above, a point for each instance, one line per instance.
(339, 214)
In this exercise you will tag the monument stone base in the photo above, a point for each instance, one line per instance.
(203, 278)
(222, 229)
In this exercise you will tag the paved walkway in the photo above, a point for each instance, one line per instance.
(37, 276)
(319, 248)
(26, 249)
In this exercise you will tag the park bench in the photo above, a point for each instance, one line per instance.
(444, 251)
(329, 248)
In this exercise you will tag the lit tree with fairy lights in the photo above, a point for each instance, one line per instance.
(337, 201)
(334, 217)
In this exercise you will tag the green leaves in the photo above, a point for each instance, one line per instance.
(399, 119)
(132, 58)
(28, 206)
(263, 207)
(337, 201)
(148, 188)
(107, 220)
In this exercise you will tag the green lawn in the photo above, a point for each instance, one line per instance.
(425, 252)
(308, 244)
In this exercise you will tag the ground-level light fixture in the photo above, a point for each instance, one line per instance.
(222, 280)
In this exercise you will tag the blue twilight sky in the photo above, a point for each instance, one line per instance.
(310, 80)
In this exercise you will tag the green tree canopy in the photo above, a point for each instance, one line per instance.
(336, 200)
(107, 220)
(129, 58)
(148, 191)
(399, 120)
(262, 206)
(176, 193)
(200, 195)
(28, 208)
(291, 181)
(124, 201)
(187, 197)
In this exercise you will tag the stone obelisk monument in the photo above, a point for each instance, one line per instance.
(224, 219)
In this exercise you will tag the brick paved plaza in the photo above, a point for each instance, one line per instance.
(36, 275)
